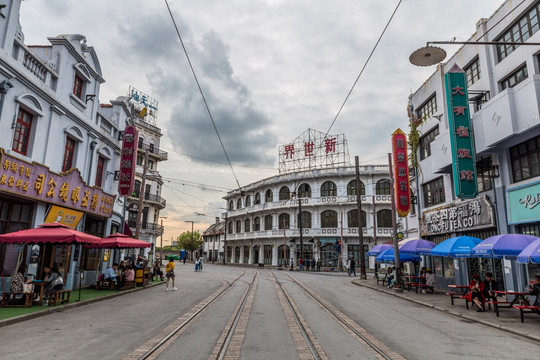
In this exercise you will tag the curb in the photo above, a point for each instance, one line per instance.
(50, 310)
(451, 312)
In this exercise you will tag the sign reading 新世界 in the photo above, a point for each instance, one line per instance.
(461, 134)
(127, 161)
(36, 181)
(402, 191)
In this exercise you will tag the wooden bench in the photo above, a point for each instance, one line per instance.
(425, 286)
(496, 305)
(10, 299)
(59, 296)
(524, 308)
(455, 295)
(104, 284)
(129, 285)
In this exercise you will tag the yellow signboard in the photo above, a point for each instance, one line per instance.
(63, 215)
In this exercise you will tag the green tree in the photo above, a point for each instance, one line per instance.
(190, 242)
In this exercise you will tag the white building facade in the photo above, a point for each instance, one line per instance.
(504, 95)
(213, 241)
(262, 223)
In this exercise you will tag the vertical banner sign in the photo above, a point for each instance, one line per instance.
(461, 134)
(127, 161)
(401, 173)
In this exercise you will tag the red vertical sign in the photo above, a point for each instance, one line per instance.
(127, 161)
(401, 173)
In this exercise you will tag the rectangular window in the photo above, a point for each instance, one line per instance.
(425, 142)
(69, 151)
(522, 29)
(472, 72)
(514, 78)
(433, 192)
(99, 172)
(525, 158)
(78, 86)
(21, 137)
(484, 175)
(480, 100)
(140, 143)
(140, 160)
(428, 108)
(150, 165)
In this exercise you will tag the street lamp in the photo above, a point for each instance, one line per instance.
(161, 241)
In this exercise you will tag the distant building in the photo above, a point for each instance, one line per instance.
(213, 239)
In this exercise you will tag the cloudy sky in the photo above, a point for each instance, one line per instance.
(269, 69)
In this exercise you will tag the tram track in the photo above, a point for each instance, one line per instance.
(378, 348)
(152, 348)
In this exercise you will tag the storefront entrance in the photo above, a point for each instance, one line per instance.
(283, 260)
(329, 255)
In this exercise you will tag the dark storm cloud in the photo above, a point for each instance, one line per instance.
(244, 129)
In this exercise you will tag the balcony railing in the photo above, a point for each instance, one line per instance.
(153, 150)
(307, 233)
(146, 226)
(37, 67)
(151, 197)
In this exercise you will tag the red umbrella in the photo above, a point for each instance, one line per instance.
(49, 234)
(118, 241)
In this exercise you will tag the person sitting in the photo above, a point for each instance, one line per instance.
(534, 290)
(430, 280)
(490, 286)
(112, 276)
(54, 282)
(476, 293)
(157, 271)
(17, 283)
(390, 277)
(129, 275)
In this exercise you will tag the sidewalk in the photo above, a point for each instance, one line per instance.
(508, 321)
(11, 315)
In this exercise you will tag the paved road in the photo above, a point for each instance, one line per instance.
(114, 329)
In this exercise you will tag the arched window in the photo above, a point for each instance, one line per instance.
(284, 193)
(248, 201)
(247, 225)
(231, 205)
(268, 222)
(305, 219)
(304, 191)
(238, 226)
(268, 196)
(328, 188)
(384, 218)
(257, 199)
(239, 204)
(352, 218)
(329, 219)
(230, 227)
(284, 221)
(257, 224)
(383, 187)
(351, 188)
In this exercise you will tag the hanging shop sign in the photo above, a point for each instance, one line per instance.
(523, 203)
(126, 178)
(36, 181)
(62, 215)
(458, 217)
(461, 134)
(402, 190)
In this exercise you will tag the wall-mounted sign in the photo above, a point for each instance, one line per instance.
(402, 190)
(62, 215)
(126, 178)
(458, 217)
(314, 150)
(461, 134)
(523, 203)
(36, 181)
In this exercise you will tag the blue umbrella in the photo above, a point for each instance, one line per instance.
(531, 253)
(388, 256)
(502, 245)
(456, 247)
(377, 249)
(417, 247)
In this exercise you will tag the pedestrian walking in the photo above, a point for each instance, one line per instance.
(301, 264)
(197, 263)
(169, 273)
(200, 263)
(319, 265)
(292, 264)
(313, 265)
(348, 266)
(352, 267)
(307, 264)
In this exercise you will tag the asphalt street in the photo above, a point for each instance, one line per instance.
(113, 329)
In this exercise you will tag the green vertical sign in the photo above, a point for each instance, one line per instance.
(461, 134)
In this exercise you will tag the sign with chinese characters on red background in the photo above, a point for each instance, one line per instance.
(126, 177)
(402, 190)
(36, 181)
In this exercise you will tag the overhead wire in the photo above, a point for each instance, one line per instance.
(364, 67)
(202, 93)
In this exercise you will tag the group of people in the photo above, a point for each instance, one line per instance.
(52, 281)
(120, 275)
(198, 263)
(308, 264)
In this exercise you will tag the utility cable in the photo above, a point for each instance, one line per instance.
(363, 67)
(202, 93)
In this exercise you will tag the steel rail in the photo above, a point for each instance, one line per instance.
(340, 319)
(188, 320)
